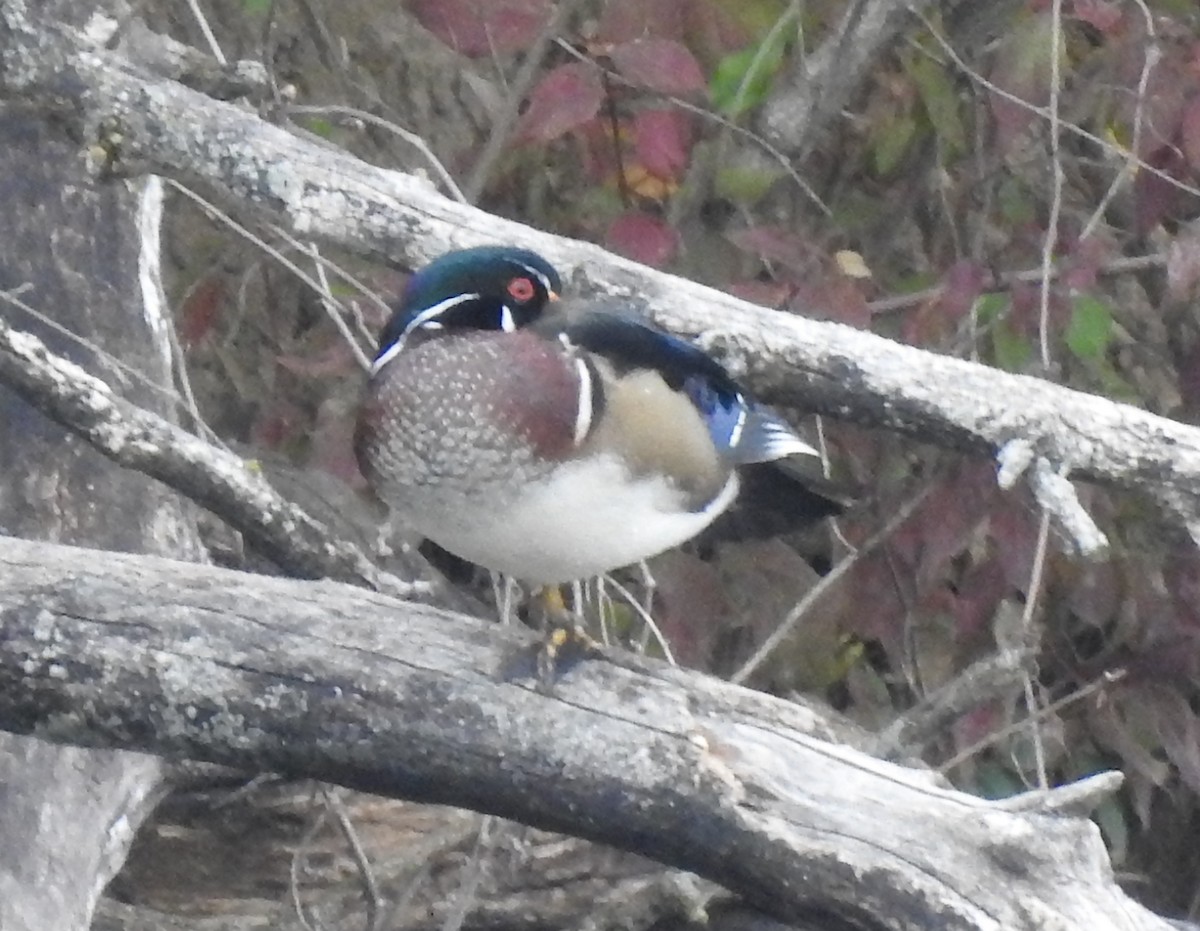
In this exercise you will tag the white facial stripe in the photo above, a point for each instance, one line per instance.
(426, 318)
(391, 353)
(429, 313)
(583, 414)
(507, 324)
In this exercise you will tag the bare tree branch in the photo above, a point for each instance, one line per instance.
(820, 85)
(141, 440)
(347, 686)
(323, 194)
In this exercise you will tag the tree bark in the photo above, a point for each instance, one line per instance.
(324, 681)
(67, 815)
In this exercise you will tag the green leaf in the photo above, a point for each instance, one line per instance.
(744, 186)
(1114, 825)
(891, 141)
(256, 7)
(991, 307)
(1016, 205)
(941, 101)
(1090, 330)
(995, 782)
(318, 125)
(1113, 384)
(742, 79)
(1011, 350)
(1112, 815)
(754, 17)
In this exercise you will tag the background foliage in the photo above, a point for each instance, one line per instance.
(1014, 182)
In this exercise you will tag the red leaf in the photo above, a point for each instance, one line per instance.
(1022, 69)
(201, 310)
(1154, 196)
(777, 294)
(963, 285)
(1084, 261)
(565, 98)
(334, 359)
(1160, 107)
(490, 27)
(1190, 130)
(879, 607)
(1183, 265)
(277, 421)
(946, 522)
(835, 298)
(1188, 381)
(663, 141)
(643, 238)
(979, 594)
(661, 65)
(690, 607)
(776, 244)
(625, 20)
(938, 317)
(1014, 536)
(1102, 15)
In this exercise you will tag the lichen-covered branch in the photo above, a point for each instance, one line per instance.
(141, 440)
(339, 684)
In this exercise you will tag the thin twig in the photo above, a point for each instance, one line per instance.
(642, 613)
(468, 890)
(179, 369)
(1031, 599)
(988, 678)
(1050, 241)
(1108, 678)
(375, 902)
(299, 856)
(333, 310)
(1129, 169)
(784, 162)
(396, 129)
(213, 45)
(826, 582)
(12, 297)
(364, 289)
(505, 120)
(1103, 144)
(141, 440)
(1117, 266)
(216, 213)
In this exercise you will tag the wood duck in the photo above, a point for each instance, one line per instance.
(549, 441)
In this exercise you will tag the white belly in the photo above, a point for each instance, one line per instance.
(576, 525)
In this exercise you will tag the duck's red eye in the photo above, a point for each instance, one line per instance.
(521, 289)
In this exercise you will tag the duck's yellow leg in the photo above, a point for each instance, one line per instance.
(566, 641)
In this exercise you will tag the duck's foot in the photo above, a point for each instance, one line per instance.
(564, 645)
(565, 642)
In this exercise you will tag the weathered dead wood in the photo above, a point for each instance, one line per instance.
(89, 254)
(325, 681)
